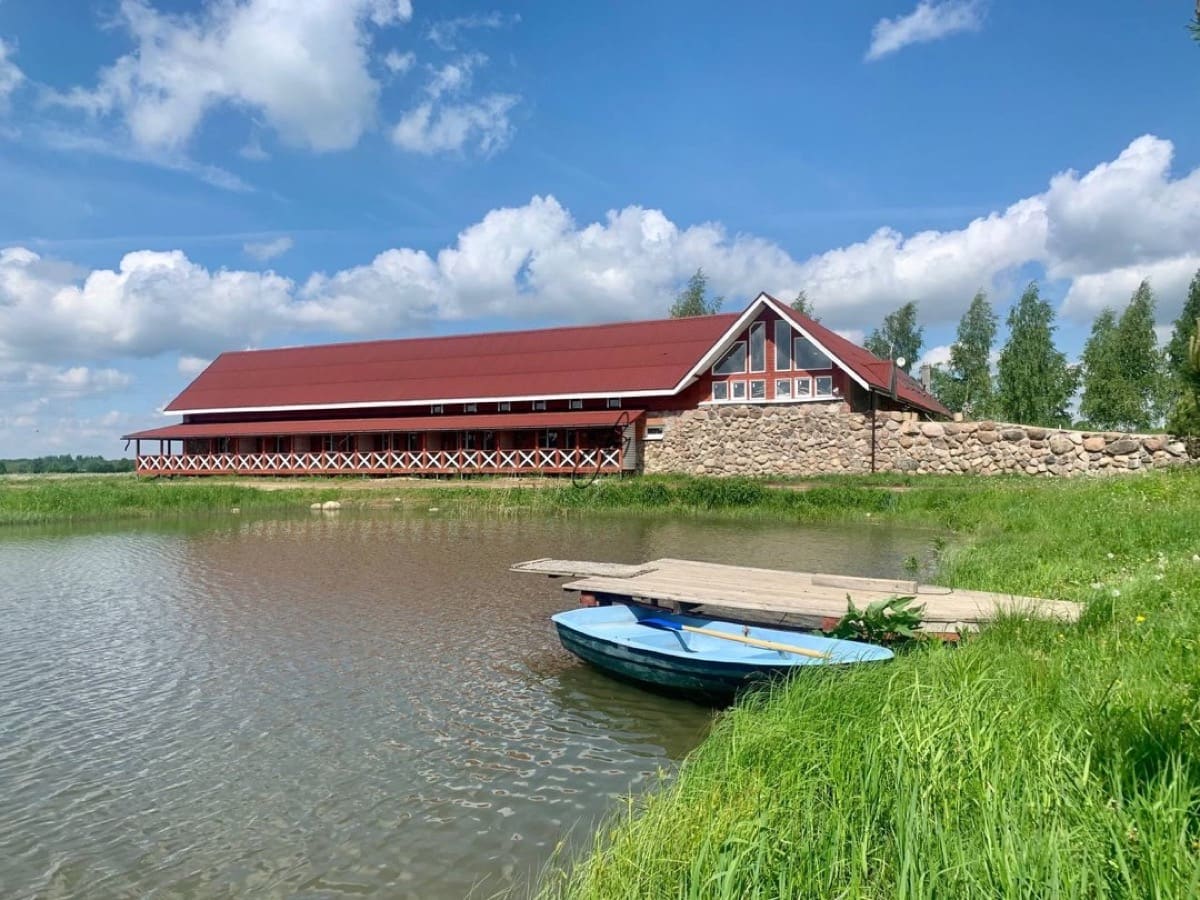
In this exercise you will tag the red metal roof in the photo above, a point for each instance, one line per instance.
(596, 418)
(649, 357)
(870, 368)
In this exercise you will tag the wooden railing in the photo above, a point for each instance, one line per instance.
(387, 462)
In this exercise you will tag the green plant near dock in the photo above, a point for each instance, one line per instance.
(1035, 760)
(881, 622)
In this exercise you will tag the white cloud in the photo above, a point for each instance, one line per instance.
(448, 123)
(192, 366)
(534, 263)
(74, 381)
(11, 77)
(444, 34)
(302, 66)
(930, 21)
(265, 250)
(431, 128)
(399, 63)
(934, 356)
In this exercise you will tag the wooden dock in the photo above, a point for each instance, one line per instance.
(798, 599)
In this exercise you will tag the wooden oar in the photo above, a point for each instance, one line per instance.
(668, 625)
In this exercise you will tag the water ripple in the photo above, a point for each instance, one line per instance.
(323, 707)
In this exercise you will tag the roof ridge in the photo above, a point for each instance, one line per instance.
(479, 334)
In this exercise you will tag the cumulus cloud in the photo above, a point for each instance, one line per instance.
(930, 21)
(399, 63)
(303, 67)
(192, 366)
(265, 250)
(448, 121)
(536, 263)
(10, 76)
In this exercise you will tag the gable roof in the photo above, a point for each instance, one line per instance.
(625, 359)
(621, 359)
(869, 368)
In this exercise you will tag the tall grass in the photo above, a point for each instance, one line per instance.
(77, 498)
(1037, 760)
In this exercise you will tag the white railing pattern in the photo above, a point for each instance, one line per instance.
(411, 462)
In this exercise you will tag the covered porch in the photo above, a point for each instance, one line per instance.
(555, 443)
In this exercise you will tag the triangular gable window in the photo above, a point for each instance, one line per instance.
(807, 357)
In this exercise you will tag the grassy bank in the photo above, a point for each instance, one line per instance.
(36, 499)
(1035, 761)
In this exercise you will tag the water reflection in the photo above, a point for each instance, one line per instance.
(328, 705)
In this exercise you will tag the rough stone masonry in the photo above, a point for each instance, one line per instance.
(822, 438)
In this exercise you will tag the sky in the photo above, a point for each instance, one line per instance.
(183, 177)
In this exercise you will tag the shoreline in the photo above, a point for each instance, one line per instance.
(1035, 758)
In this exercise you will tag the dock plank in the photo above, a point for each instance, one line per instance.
(578, 568)
(807, 596)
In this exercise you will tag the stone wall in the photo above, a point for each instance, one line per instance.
(819, 438)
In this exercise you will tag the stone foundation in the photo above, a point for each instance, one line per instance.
(822, 438)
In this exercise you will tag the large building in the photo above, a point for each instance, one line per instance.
(558, 400)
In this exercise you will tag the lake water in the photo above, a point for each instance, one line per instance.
(330, 705)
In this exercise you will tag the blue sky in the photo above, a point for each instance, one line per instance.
(180, 178)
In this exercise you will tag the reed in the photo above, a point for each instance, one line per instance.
(1036, 760)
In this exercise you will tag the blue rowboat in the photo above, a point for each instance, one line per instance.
(664, 650)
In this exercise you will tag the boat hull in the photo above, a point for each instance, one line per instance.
(613, 640)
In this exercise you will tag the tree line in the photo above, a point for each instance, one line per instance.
(1123, 380)
(64, 464)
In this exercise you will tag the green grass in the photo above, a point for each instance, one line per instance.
(1037, 760)
(84, 498)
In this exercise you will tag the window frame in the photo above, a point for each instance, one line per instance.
(437, 409)
(734, 387)
(758, 336)
(761, 384)
(539, 405)
(470, 407)
(504, 406)
(783, 348)
(613, 403)
(806, 392)
(724, 386)
(787, 392)
(796, 356)
(817, 386)
(575, 404)
(654, 432)
(745, 360)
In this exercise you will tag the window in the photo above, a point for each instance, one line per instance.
(654, 432)
(733, 362)
(468, 440)
(547, 440)
(576, 404)
(758, 389)
(824, 385)
(504, 407)
(737, 390)
(804, 387)
(720, 390)
(614, 402)
(783, 389)
(806, 356)
(412, 442)
(470, 407)
(783, 346)
(758, 347)
(436, 409)
(539, 404)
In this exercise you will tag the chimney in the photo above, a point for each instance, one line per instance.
(927, 376)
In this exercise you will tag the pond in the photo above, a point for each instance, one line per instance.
(335, 704)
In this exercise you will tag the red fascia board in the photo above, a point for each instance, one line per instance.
(598, 418)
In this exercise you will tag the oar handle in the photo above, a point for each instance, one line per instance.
(758, 642)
